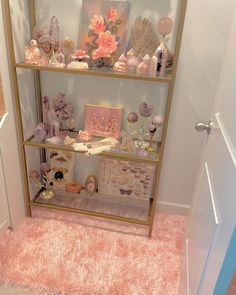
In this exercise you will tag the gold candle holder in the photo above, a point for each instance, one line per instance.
(150, 148)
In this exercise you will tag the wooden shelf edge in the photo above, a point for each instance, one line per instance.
(97, 73)
(91, 213)
(127, 157)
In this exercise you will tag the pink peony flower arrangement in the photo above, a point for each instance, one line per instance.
(103, 32)
(97, 24)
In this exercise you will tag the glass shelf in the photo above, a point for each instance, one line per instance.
(97, 206)
(152, 157)
(98, 72)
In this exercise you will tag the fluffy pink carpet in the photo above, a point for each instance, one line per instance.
(60, 253)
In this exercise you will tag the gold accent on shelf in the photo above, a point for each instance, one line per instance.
(68, 148)
(16, 101)
(97, 73)
(86, 212)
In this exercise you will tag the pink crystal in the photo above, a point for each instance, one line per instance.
(45, 167)
(132, 117)
(165, 25)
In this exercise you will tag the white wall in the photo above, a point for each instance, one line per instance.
(206, 31)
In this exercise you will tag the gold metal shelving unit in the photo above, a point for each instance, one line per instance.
(156, 158)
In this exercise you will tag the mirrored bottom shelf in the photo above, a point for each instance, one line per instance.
(130, 210)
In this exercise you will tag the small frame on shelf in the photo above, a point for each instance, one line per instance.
(126, 179)
(103, 121)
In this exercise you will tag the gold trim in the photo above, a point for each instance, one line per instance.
(16, 101)
(92, 213)
(108, 74)
(103, 106)
(49, 146)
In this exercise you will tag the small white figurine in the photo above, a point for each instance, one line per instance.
(121, 64)
(132, 61)
(142, 68)
(79, 60)
(78, 65)
(32, 53)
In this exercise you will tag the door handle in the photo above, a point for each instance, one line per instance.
(200, 126)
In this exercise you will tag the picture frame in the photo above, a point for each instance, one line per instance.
(62, 168)
(126, 179)
(103, 120)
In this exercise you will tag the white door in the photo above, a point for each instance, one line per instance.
(12, 209)
(213, 214)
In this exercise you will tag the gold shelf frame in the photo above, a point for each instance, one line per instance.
(68, 148)
(96, 73)
(36, 69)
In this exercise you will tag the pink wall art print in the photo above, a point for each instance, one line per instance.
(103, 121)
(106, 21)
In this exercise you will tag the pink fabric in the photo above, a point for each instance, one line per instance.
(60, 253)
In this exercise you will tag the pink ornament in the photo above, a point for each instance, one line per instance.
(152, 68)
(157, 120)
(91, 185)
(152, 128)
(84, 136)
(145, 110)
(34, 175)
(74, 188)
(45, 167)
(132, 61)
(121, 64)
(142, 68)
(111, 13)
(97, 24)
(80, 55)
(132, 117)
(165, 26)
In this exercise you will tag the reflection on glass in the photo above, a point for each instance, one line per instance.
(2, 105)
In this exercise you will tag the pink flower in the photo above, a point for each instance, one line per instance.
(101, 52)
(111, 13)
(80, 54)
(97, 24)
(107, 41)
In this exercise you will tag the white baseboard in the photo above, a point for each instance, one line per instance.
(172, 208)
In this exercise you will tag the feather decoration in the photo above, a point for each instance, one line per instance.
(144, 40)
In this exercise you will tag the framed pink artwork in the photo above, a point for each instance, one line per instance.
(103, 121)
(126, 179)
(99, 16)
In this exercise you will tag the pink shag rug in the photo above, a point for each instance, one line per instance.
(60, 253)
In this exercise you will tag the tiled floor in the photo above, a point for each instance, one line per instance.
(232, 287)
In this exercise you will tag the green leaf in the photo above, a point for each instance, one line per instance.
(118, 22)
(90, 33)
(114, 30)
